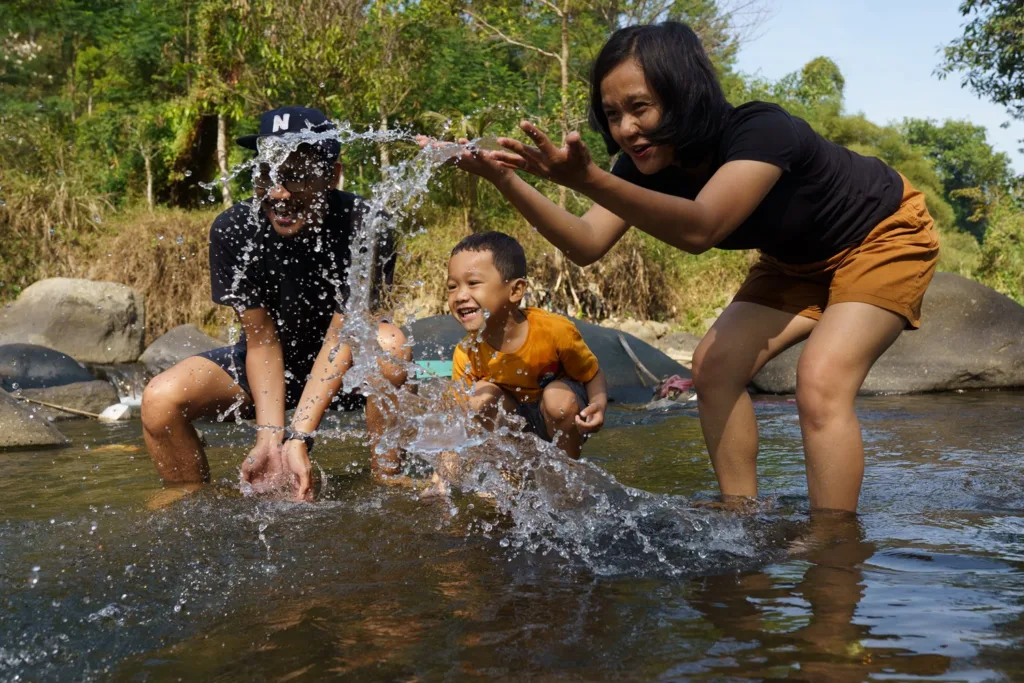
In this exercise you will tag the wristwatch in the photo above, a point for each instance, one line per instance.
(305, 437)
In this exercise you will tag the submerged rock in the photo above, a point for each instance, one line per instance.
(971, 337)
(93, 322)
(435, 339)
(20, 428)
(92, 397)
(177, 345)
(33, 367)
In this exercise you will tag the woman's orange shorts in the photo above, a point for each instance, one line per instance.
(890, 269)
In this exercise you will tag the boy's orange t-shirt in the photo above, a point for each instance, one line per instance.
(554, 349)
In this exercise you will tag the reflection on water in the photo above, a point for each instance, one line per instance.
(373, 584)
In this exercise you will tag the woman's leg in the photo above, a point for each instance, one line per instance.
(847, 341)
(742, 340)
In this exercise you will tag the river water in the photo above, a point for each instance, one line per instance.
(372, 583)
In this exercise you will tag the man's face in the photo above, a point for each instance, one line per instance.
(297, 194)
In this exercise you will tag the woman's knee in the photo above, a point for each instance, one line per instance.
(715, 366)
(819, 389)
(558, 402)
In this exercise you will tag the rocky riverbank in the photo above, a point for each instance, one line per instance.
(67, 341)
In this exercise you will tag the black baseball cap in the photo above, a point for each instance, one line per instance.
(285, 120)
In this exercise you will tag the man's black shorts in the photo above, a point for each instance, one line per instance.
(232, 360)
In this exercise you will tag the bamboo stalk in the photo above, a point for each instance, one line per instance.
(57, 407)
(641, 368)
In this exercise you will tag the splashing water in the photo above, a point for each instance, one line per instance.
(547, 502)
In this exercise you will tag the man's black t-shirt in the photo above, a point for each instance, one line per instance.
(827, 199)
(301, 281)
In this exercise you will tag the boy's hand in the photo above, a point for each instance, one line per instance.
(297, 465)
(591, 418)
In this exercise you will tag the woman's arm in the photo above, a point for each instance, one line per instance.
(728, 198)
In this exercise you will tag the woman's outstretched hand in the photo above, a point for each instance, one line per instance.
(492, 165)
(569, 165)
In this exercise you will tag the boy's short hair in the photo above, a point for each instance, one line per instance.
(509, 257)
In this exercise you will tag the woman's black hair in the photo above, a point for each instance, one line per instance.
(678, 70)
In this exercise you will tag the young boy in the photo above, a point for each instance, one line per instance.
(530, 361)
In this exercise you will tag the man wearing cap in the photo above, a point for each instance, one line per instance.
(282, 265)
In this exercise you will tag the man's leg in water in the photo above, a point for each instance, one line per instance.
(379, 409)
(194, 388)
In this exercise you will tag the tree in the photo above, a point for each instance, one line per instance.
(963, 160)
(989, 52)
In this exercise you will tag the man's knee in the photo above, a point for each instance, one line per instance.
(558, 402)
(393, 341)
(161, 402)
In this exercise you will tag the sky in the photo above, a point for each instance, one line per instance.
(887, 51)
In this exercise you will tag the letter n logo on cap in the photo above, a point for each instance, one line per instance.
(281, 122)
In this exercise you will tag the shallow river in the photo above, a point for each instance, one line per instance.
(371, 583)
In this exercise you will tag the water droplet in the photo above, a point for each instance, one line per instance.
(188, 174)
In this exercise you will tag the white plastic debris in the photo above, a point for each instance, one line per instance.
(116, 413)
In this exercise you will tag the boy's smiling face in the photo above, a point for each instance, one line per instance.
(477, 290)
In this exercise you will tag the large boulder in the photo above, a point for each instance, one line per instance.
(27, 366)
(20, 428)
(435, 338)
(93, 322)
(177, 345)
(91, 397)
(971, 337)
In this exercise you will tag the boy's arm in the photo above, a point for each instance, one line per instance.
(591, 418)
(580, 362)
(264, 366)
(332, 362)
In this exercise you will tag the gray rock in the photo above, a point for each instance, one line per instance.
(647, 330)
(682, 341)
(971, 337)
(32, 367)
(92, 397)
(93, 322)
(177, 345)
(19, 428)
(435, 339)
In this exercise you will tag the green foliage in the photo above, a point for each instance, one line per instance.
(108, 105)
(963, 160)
(989, 53)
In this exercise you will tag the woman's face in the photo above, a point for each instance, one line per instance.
(633, 110)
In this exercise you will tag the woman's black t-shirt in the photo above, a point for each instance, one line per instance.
(827, 199)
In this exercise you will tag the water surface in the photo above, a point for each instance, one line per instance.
(371, 583)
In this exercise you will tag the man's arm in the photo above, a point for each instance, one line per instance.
(264, 366)
(324, 379)
(323, 384)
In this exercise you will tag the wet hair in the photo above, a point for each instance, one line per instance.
(508, 255)
(682, 76)
(327, 151)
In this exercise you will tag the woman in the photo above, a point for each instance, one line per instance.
(847, 245)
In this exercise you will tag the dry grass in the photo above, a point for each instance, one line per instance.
(639, 278)
(164, 256)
